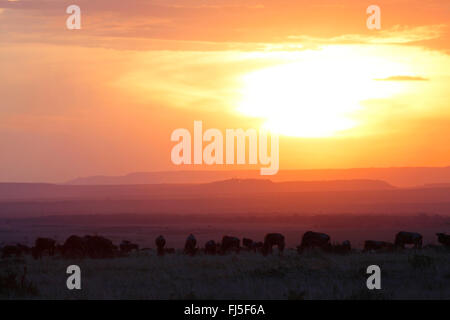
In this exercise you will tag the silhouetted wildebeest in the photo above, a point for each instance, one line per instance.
(314, 240)
(43, 245)
(189, 246)
(99, 247)
(160, 243)
(372, 245)
(74, 247)
(126, 246)
(230, 244)
(10, 250)
(248, 244)
(273, 239)
(210, 247)
(444, 239)
(404, 237)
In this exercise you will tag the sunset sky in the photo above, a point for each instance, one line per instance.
(105, 99)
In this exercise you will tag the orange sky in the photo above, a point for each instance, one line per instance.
(105, 99)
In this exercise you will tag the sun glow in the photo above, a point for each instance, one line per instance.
(319, 95)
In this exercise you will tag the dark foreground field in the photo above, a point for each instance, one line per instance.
(409, 274)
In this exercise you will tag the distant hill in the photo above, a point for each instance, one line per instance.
(226, 197)
(437, 185)
(42, 191)
(255, 185)
(400, 177)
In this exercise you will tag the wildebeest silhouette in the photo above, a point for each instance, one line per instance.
(126, 246)
(273, 239)
(74, 247)
(99, 247)
(230, 244)
(43, 245)
(160, 243)
(248, 243)
(189, 246)
(313, 239)
(404, 237)
(11, 250)
(210, 247)
(444, 239)
(373, 245)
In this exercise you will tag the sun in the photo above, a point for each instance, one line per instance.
(317, 96)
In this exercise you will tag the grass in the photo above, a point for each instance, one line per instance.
(423, 274)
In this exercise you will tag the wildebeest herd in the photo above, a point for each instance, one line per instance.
(76, 247)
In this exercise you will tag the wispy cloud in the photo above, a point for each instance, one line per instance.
(395, 35)
(235, 24)
(403, 78)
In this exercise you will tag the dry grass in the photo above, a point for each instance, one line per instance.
(407, 275)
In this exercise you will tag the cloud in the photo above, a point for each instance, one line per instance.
(395, 35)
(403, 78)
(403, 34)
(214, 6)
(227, 24)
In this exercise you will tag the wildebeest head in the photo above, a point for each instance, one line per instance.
(190, 244)
(273, 239)
(210, 247)
(191, 241)
(160, 242)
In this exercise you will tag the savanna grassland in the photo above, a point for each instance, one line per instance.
(410, 274)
